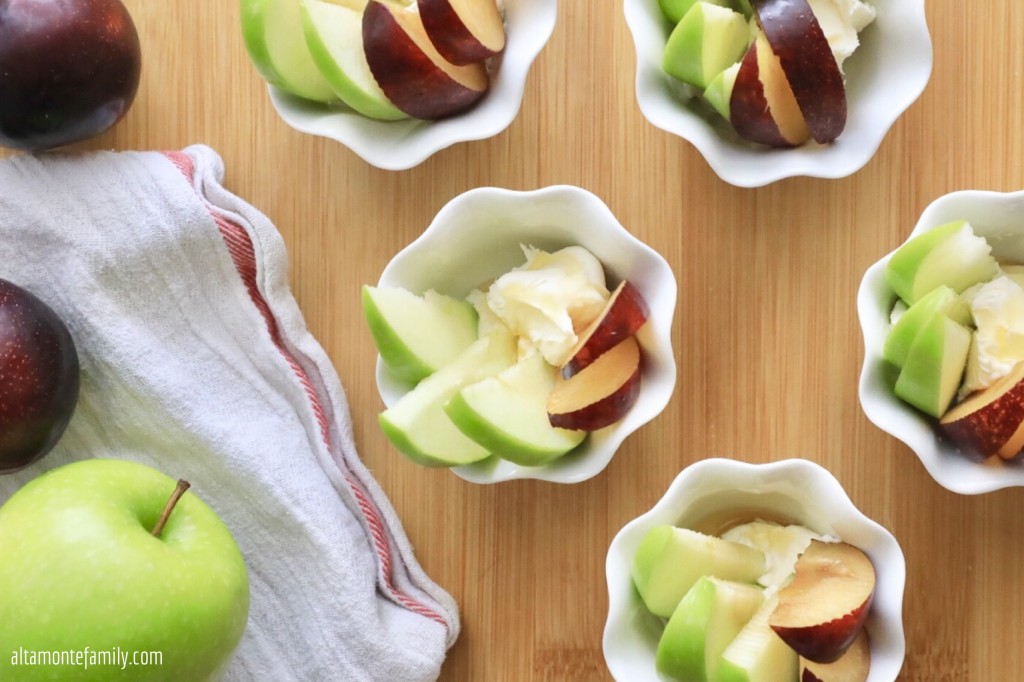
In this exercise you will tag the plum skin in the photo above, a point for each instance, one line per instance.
(69, 70)
(39, 378)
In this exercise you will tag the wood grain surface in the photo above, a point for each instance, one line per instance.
(766, 331)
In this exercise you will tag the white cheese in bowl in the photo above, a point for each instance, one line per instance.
(781, 545)
(998, 344)
(548, 300)
(841, 21)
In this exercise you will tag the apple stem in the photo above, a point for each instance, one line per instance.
(179, 490)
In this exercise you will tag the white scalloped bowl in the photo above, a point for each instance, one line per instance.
(714, 491)
(399, 145)
(476, 237)
(1000, 218)
(884, 77)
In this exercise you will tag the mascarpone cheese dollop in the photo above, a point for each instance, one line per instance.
(546, 301)
(841, 21)
(781, 545)
(998, 344)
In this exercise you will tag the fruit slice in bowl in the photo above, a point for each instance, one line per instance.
(333, 33)
(707, 40)
(706, 621)
(506, 414)
(797, 40)
(410, 70)
(623, 316)
(272, 30)
(601, 393)
(822, 610)
(670, 560)
(417, 423)
(757, 653)
(464, 31)
(991, 422)
(397, 318)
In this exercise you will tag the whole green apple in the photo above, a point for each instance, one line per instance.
(114, 579)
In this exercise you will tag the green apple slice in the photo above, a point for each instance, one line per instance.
(940, 300)
(707, 41)
(950, 255)
(417, 335)
(675, 10)
(707, 619)
(757, 654)
(417, 424)
(507, 414)
(273, 34)
(719, 91)
(670, 560)
(334, 35)
(934, 366)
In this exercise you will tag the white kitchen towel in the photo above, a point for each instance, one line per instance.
(196, 361)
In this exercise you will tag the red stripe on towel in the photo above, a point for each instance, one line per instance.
(243, 255)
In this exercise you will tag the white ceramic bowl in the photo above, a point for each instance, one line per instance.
(398, 145)
(1000, 218)
(476, 237)
(885, 76)
(713, 490)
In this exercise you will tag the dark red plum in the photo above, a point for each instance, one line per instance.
(39, 377)
(69, 70)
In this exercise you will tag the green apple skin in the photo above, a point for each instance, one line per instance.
(81, 570)
(417, 335)
(272, 30)
(935, 366)
(334, 35)
(507, 414)
(675, 10)
(941, 300)
(719, 91)
(950, 255)
(708, 40)
(670, 560)
(757, 654)
(417, 424)
(707, 619)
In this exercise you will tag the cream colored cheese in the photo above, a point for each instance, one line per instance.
(998, 344)
(547, 300)
(841, 21)
(781, 545)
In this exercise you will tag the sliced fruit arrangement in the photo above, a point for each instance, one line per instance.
(957, 338)
(385, 59)
(772, 68)
(523, 369)
(762, 603)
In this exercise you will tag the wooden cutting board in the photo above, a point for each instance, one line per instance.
(766, 331)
